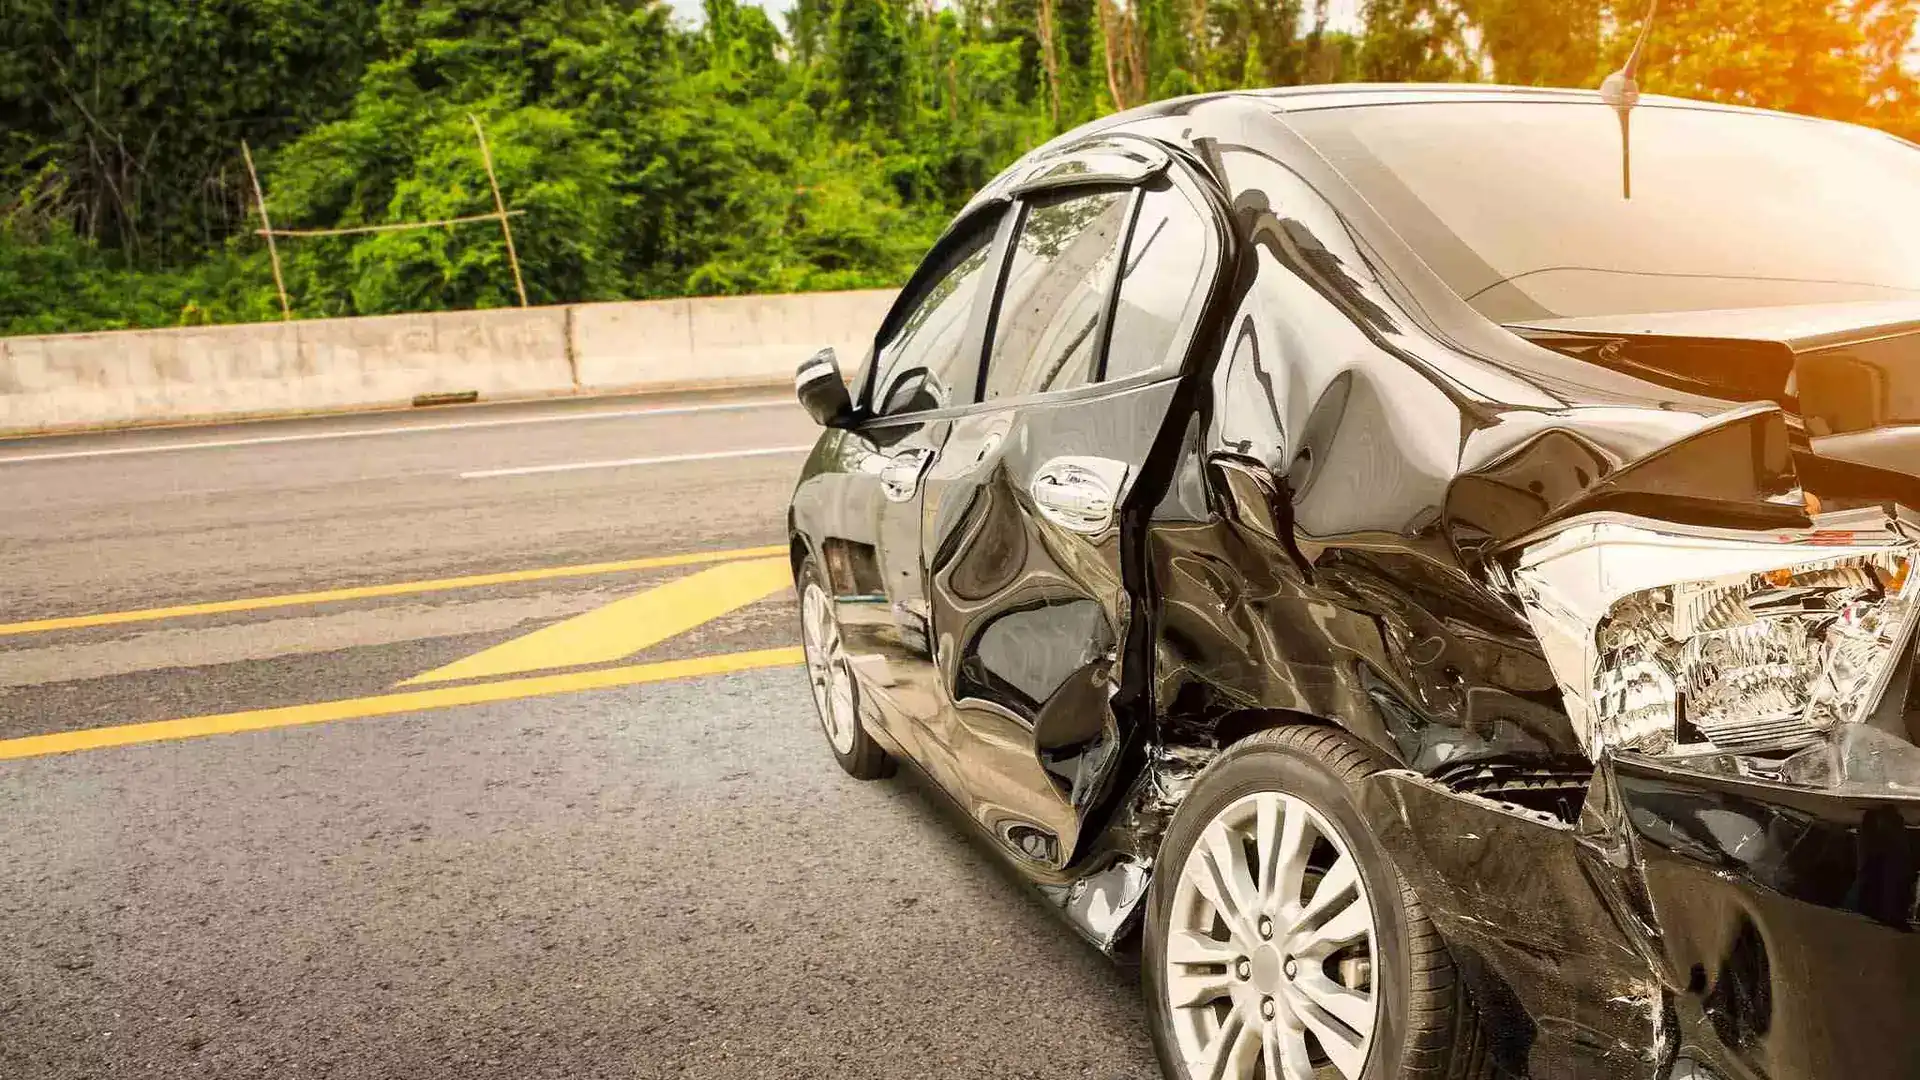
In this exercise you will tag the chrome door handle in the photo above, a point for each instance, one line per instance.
(1080, 493)
(900, 476)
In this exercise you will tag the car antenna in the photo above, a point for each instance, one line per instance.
(1621, 91)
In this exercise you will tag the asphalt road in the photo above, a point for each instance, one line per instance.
(382, 823)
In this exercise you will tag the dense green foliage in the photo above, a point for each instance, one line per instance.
(649, 156)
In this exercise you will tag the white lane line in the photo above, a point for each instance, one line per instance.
(622, 463)
(401, 429)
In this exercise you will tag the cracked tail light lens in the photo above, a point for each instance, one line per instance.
(1666, 640)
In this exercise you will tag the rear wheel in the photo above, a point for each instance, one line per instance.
(836, 694)
(1280, 942)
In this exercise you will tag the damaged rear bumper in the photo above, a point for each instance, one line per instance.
(1735, 927)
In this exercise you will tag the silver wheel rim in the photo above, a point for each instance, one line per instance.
(827, 668)
(1270, 952)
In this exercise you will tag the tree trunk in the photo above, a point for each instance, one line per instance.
(1047, 59)
(1108, 42)
(1197, 36)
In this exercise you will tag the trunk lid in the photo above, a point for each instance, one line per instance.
(1848, 375)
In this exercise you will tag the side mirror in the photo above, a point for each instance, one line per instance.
(822, 392)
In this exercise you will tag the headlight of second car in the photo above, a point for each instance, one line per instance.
(1673, 640)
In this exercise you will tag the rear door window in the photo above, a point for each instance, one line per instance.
(1059, 275)
(1164, 285)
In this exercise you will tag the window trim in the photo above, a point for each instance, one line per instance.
(1103, 336)
(1087, 392)
(1148, 160)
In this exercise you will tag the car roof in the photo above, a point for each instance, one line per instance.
(1146, 119)
(1286, 99)
(1355, 95)
(1296, 99)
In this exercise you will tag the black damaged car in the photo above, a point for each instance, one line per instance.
(1434, 582)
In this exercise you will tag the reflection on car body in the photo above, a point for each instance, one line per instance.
(1260, 502)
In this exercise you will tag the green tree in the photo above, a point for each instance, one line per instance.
(123, 118)
(650, 155)
(1830, 58)
(408, 152)
(870, 64)
(1415, 41)
(1543, 42)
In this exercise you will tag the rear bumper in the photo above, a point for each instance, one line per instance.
(1785, 919)
(1754, 929)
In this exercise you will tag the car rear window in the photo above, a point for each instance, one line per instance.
(1518, 206)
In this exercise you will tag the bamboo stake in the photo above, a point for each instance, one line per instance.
(273, 252)
(361, 230)
(499, 204)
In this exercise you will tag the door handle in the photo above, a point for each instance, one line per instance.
(1080, 494)
(900, 476)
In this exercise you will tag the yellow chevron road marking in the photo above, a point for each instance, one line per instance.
(390, 704)
(367, 592)
(624, 627)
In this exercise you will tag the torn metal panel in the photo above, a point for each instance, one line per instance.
(1105, 898)
(1788, 915)
(1103, 905)
(1763, 930)
(1560, 977)
(1760, 929)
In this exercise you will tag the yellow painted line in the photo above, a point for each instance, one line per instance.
(368, 592)
(624, 627)
(389, 704)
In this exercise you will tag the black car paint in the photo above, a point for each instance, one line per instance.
(1315, 535)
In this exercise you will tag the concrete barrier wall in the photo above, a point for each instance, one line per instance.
(719, 341)
(134, 377)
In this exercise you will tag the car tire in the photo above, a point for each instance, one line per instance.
(836, 692)
(1422, 1026)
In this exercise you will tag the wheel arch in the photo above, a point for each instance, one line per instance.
(798, 547)
(1238, 724)
(1172, 759)
(1215, 730)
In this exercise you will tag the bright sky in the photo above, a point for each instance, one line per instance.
(1341, 14)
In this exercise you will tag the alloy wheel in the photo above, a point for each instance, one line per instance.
(828, 668)
(1270, 953)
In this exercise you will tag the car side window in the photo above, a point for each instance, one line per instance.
(1164, 284)
(916, 368)
(1058, 275)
